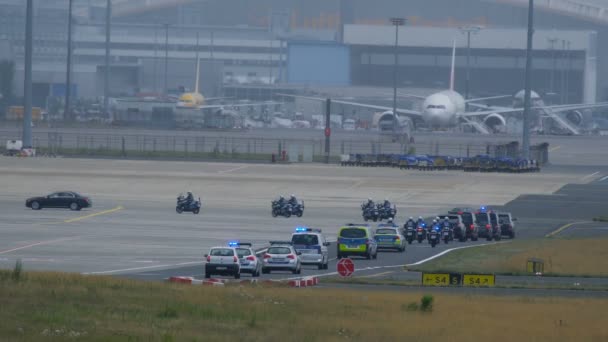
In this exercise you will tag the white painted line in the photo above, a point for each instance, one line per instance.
(234, 169)
(145, 268)
(603, 178)
(38, 244)
(453, 249)
(405, 265)
(589, 176)
(555, 148)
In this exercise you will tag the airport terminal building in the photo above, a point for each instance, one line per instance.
(154, 49)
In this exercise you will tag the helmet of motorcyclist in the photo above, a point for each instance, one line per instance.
(292, 196)
(420, 217)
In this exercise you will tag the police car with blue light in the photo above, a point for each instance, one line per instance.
(281, 256)
(247, 258)
(312, 246)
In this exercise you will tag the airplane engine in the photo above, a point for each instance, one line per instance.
(387, 121)
(495, 122)
(575, 117)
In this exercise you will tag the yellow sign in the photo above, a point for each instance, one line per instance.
(16, 113)
(478, 280)
(435, 279)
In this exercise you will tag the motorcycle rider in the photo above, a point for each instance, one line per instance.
(189, 198)
(409, 223)
(386, 204)
(368, 205)
(420, 221)
(292, 200)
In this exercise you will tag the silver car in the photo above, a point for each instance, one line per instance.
(281, 256)
(248, 259)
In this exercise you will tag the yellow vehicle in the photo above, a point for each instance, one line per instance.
(357, 239)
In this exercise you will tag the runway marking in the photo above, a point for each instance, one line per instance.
(94, 214)
(603, 178)
(234, 169)
(564, 227)
(554, 148)
(376, 274)
(144, 268)
(38, 244)
(589, 176)
(404, 265)
(357, 184)
(453, 249)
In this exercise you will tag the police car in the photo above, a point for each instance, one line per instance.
(390, 237)
(247, 258)
(222, 261)
(312, 245)
(281, 256)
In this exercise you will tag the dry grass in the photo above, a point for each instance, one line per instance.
(107, 309)
(580, 257)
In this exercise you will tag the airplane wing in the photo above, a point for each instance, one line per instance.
(557, 108)
(233, 105)
(408, 112)
(412, 96)
(217, 98)
(487, 98)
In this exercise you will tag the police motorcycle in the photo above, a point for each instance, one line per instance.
(446, 232)
(188, 204)
(385, 212)
(281, 207)
(369, 211)
(410, 230)
(434, 237)
(298, 208)
(421, 231)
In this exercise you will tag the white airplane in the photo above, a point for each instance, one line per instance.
(447, 109)
(277, 122)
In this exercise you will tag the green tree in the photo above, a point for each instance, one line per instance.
(7, 76)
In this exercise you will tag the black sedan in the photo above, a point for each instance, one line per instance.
(63, 199)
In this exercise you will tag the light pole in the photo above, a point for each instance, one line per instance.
(106, 89)
(468, 30)
(528, 84)
(155, 59)
(396, 22)
(166, 89)
(552, 41)
(68, 84)
(566, 72)
(27, 86)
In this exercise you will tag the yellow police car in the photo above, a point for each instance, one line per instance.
(358, 240)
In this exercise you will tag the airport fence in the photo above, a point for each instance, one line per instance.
(200, 147)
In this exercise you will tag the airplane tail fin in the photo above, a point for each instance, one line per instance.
(198, 67)
(452, 72)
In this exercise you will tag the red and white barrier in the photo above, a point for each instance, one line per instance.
(303, 282)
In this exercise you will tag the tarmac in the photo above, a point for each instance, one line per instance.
(133, 229)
